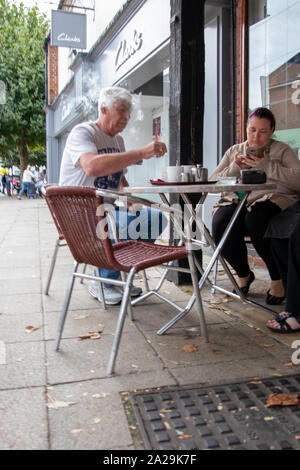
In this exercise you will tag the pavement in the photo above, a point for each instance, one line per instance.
(63, 400)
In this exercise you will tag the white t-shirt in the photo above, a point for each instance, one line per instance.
(27, 176)
(89, 138)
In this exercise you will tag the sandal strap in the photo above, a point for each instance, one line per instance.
(281, 318)
(284, 325)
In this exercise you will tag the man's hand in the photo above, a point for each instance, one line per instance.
(156, 148)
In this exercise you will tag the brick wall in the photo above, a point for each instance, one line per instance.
(241, 68)
(52, 73)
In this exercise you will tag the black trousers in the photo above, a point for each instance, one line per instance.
(287, 254)
(249, 223)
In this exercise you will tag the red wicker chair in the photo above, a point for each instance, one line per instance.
(84, 227)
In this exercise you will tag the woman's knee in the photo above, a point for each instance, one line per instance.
(220, 220)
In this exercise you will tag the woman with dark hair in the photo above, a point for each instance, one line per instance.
(282, 167)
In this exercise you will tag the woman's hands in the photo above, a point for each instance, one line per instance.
(248, 161)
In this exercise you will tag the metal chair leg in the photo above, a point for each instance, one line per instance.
(120, 324)
(83, 272)
(214, 279)
(65, 307)
(129, 306)
(101, 291)
(53, 260)
(145, 280)
(198, 299)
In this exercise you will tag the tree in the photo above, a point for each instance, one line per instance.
(22, 71)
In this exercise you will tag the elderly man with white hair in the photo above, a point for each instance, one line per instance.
(95, 155)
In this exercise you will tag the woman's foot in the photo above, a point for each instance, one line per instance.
(284, 323)
(277, 288)
(276, 293)
(245, 282)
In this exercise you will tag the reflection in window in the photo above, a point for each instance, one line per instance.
(274, 64)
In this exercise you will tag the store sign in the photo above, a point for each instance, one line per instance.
(68, 29)
(127, 48)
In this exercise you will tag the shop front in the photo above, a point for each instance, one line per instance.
(134, 52)
(135, 57)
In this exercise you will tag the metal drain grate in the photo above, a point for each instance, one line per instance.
(225, 417)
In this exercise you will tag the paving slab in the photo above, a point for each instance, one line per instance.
(24, 365)
(23, 417)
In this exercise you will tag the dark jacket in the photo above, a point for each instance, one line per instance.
(283, 224)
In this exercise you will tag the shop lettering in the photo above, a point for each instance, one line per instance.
(128, 49)
(65, 37)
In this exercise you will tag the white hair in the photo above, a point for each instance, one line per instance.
(108, 97)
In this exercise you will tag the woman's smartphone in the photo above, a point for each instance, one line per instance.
(257, 151)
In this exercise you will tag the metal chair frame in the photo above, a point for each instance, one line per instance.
(116, 257)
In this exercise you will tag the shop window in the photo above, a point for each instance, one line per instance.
(274, 64)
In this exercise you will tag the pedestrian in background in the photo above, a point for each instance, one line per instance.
(3, 181)
(28, 178)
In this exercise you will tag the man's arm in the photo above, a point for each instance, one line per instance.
(103, 164)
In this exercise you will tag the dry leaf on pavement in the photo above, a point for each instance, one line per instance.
(29, 329)
(282, 399)
(189, 348)
(218, 307)
(91, 335)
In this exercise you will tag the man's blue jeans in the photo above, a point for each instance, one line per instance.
(24, 186)
(145, 224)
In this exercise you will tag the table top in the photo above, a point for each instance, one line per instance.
(198, 188)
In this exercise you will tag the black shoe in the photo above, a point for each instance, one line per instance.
(245, 289)
(273, 299)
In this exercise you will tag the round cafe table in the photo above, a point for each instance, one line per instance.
(203, 189)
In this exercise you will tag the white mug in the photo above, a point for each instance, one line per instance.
(173, 174)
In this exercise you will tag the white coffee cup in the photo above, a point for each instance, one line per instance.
(173, 174)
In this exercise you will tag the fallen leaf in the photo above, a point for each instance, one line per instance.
(218, 307)
(189, 348)
(29, 329)
(226, 299)
(86, 336)
(75, 431)
(185, 436)
(167, 425)
(91, 335)
(282, 399)
(60, 404)
(267, 345)
(288, 364)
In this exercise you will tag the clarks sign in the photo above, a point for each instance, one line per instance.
(127, 48)
(68, 29)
